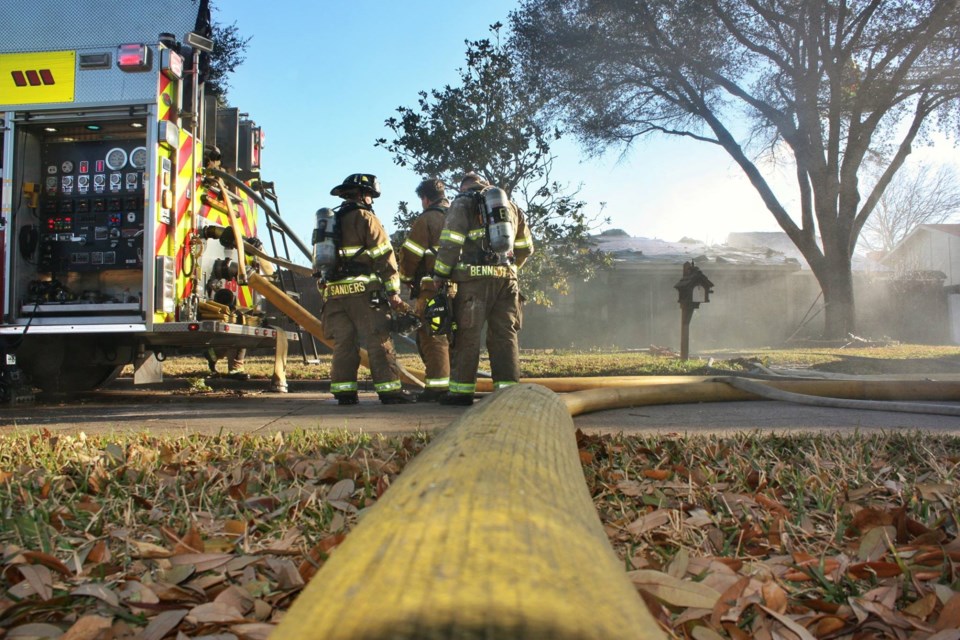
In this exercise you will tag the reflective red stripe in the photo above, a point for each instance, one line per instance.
(18, 78)
(46, 76)
(33, 78)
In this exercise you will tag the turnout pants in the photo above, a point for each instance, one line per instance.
(496, 302)
(350, 322)
(434, 350)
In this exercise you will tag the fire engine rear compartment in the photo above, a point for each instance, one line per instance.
(79, 249)
(105, 255)
(81, 272)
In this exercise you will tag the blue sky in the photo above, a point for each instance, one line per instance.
(321, 77)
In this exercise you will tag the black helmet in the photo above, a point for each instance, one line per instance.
(363, 182)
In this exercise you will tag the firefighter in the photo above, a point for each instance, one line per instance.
(417, 255)
(485, 240)
(365, 272)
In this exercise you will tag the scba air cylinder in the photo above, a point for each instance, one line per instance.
(499, 223)
(324, 245)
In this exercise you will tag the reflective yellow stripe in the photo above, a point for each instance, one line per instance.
(437, 383)
(413, 247)
(442, 269)
(393, 385)
(337, 387)
(452, 236)
(462, 387)
(477, 234)
(503, 383)
(380, 250)
(349, 252)
(521, 243)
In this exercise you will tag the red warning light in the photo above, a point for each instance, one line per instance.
(133, 57)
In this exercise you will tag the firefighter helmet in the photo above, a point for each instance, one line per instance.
(439, 315)
(472, 180)
(364, 182)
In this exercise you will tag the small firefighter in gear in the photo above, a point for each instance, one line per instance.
(485, 240)
(416, 259)
(364, 269)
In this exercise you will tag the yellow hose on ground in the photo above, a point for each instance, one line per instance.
(714, 389)
(490, 532)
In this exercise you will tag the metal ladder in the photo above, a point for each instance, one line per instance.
(286, 279)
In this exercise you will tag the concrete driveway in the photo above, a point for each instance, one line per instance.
(246, 407)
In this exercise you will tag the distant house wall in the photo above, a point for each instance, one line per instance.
(929, 248)
(926, 268)
(636, 306)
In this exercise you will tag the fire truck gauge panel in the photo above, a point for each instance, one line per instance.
(91, 222)
(116, 159)
(138, 158)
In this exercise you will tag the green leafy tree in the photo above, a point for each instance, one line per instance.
(491, 124)
(229, 49)
(828, 82)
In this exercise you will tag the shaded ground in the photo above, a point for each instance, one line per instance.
(246, 407)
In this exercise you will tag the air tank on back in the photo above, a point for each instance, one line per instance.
(324, 244)
(499, 223)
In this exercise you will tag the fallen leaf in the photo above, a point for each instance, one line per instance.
(97, 590)
(35, 631)
(148, 550)
(216, 612)
(796, 628)
(649, 521)
(48, 561)
(162, 624)
(949, 617)
(923, 607)
(876, 543)
(656, 474)
(342, 490)
(774, 596)
(191, 542)
(87, 628)
(681, 593)
(253, 631)
(39, 578)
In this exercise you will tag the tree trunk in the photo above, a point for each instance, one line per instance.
(836, 281)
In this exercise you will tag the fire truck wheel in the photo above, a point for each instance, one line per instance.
(76, 379)
(58, 365)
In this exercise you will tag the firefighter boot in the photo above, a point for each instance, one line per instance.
(397, 397)
(347, 397)
(457, 399)
(211, 357)
(431, 395)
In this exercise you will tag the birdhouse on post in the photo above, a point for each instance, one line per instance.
(694, 288)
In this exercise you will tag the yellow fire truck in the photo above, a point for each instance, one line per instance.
(117, 248)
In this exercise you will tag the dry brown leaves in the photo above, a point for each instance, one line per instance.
(807, 537)
(744, 537)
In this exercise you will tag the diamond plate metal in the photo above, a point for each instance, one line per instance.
(54, 25)
(97, 26)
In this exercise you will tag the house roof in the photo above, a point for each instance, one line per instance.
(771, 249)
(949, 229)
